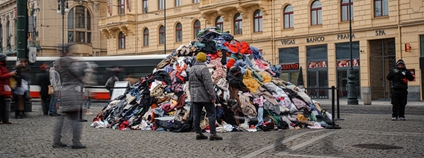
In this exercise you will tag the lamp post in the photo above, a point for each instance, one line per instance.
(352, 99)
(164, 25)
(62, 8)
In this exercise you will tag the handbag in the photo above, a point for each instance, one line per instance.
(51, 90)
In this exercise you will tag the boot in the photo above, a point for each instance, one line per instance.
(200, 136)
(23, 114)
(59, 145)
(78, 146)
(17, 114)
(214, 136)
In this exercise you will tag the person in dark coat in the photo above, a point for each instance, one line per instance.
(202, 95)
(43, 81)
(20, 89)
(4, 80)
(399, 78)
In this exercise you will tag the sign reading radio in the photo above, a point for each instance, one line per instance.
(294, 66)
(315, 39)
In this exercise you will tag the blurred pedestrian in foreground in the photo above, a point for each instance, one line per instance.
(57, 85)
(69, 70)
(90, 79)
(43, 81)
(4, 82)
(20, 88)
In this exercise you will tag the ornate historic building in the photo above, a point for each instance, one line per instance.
(45, 26)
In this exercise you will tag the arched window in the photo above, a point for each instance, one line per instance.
(238, 25)
(121, 40)
(79, 25)
(257, 18)
(381, 8)
(121, 7)
(146, 37)
(161, 34)
(345, 9)
(179, 33)
(219, 22)
(316, 13)
(288, 17)
(196, 28)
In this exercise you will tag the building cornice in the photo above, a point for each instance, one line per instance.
(7, 3)
(412, 23)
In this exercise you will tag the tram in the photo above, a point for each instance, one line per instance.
(138, 66)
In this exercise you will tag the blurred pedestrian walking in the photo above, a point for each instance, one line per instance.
(43, 80)
(90, 79)
(4, 84)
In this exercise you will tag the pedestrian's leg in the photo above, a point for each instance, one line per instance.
(197, 112)
(402, 104)
(211, 113)
(52, 105)
(395, 105)
(3, 117)
(76, 126)
(57, 132)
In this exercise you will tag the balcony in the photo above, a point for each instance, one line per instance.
(116, 20)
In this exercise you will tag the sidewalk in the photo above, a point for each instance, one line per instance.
(343, 102)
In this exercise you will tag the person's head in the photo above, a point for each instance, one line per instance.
(3, 58)
(201, 57)
(400, 64)
(66, 49)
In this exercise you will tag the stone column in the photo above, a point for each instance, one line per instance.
(12, 30)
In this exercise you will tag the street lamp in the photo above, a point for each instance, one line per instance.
(352, 99)
(62, 8)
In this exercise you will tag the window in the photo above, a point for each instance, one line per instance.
(121, 40)
(161, 34)
(177, 3)
(289, 61)
(219, 22)
(121, 7)
(161, 4)
(381, 8)
(257, 18)
(421, 45)
(316, 13)
(179, 33)
(146, 37)
(79, 25)
(196, 1)
(288, 17)
(238, 25)
(145, 6)
(196, 28)
(345, 10)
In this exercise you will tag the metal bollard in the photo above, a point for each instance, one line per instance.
(333, 123)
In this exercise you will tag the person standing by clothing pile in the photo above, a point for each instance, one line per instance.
(399, 78)
(70, 99)
(4, 82)
(57, 85)
(202, 95)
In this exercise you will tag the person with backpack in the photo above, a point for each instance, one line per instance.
(4, 82)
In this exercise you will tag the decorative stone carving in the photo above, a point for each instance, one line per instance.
(96, 6)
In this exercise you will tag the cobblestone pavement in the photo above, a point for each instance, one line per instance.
(369, 124)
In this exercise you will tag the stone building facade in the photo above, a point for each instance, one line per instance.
(45, 26)
(312, 34)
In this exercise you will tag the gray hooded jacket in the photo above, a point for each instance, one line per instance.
(70, 74)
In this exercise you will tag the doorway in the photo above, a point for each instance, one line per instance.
(342, 82)
(382, 59)
(318, 84)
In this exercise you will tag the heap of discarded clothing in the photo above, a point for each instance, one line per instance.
(251, 96)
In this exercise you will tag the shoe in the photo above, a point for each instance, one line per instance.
(23, 115)
(8, 122)
(213, 136)
(79, 146)
(54, 114)
(89, 113)
(59, 145)
(402, 118)
(394, 118)
(200, 136)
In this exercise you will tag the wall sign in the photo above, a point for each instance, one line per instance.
(294, 66)
(379, 33)
(288, 41)
(317, 64)
(315, 39)
(346, 63)
(345, 36)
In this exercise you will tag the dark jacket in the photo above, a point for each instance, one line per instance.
(201, 87)
(399, 77)
(235, 79)
(4, 78)
(43, 81)
(20, 75)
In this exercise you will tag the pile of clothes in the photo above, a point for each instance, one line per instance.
(251, 96)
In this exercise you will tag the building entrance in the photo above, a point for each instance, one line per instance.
(383, 58)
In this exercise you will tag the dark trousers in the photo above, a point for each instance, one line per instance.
(45, 103)
(210, 113)
(399, 100)
(3, 110)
